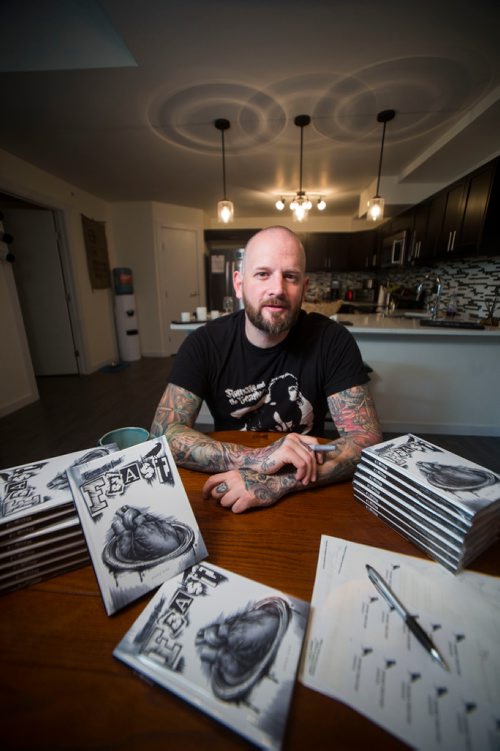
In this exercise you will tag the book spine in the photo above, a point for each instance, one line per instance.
(434, 552)
(375, 502)
(443, 503)
(34, 522)
(407, 506)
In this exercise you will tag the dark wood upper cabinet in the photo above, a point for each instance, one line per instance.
(421, 246)
(480, 203)
(461, 220)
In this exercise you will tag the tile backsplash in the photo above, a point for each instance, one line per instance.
(471, 282)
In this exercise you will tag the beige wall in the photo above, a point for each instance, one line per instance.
(94, 325)
(132, 237)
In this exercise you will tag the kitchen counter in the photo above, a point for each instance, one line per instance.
(379, 323)
(425, 380)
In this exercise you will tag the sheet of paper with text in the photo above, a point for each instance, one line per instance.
(360, 652)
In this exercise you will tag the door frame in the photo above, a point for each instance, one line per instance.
(59, 218)
(162, 317)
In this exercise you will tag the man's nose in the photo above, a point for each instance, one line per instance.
(277, 283)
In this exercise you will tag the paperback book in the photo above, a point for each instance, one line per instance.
(228, 645)
(137, 520)
(38, 493)
(444, 503)
(410, 507)
(439, 552)
(453, 480)
(56, 567)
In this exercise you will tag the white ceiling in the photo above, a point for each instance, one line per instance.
(119, 97)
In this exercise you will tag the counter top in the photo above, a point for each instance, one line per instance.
(379, 323)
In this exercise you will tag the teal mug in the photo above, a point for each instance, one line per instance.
(124, 437)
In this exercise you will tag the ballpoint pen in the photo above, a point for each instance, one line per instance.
(321, 447)
(418, 632)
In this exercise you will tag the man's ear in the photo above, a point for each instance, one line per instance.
(237, 284)
(306, 285)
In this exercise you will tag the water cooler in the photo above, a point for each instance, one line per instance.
(127, 329)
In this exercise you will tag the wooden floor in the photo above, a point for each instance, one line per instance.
(74, 411)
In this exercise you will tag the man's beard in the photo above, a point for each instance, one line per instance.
(279, 322)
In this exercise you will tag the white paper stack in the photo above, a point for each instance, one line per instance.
(448, 506)
(40, 532)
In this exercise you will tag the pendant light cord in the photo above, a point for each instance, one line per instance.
(380, 159)
(223, 165)
(301, 153)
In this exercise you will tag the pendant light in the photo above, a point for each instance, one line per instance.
(376, 204)
(300, 202)
(225, 208)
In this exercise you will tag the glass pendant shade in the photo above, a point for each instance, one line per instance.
(225, 211)
(375, 208)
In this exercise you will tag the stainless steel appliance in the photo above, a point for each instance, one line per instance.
(394, 249)
(222, 262)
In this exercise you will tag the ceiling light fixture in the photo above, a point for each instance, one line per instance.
(225, 208)
(376, 204)
(300, 202)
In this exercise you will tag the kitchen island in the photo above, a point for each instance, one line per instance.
(425, 380)
(430, 380)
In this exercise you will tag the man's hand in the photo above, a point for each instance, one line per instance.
(243, 489)
(293, 450)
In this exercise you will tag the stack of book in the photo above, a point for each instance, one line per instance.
(40, 532)
(446, 505)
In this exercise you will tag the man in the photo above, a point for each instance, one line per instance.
(269, 367)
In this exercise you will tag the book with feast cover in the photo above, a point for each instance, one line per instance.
(436, 550)
(67, 530)
(137, 520)
(227, 644)
(56, 567)
(38, 493)
(457, 482)
(407, 504)
(455, 518)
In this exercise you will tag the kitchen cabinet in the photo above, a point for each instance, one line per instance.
(359, 250)
(320, 248)
(420, 248)
(448, 240)
(481, 224)
(231, 238)
(463, 219)
(339, 251)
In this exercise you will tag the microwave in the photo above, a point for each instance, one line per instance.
(394, 249)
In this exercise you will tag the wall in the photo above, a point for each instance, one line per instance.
(94, 314)
(131, 239)
(136, 227)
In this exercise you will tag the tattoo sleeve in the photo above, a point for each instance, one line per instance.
(175, 417)
(355, 417)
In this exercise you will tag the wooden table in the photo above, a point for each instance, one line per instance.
(62, 689)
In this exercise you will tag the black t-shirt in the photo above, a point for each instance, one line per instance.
(282, 388)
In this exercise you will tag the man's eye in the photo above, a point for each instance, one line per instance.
(292, 277)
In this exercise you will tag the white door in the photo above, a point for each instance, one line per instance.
(179, 282)
(41, 291)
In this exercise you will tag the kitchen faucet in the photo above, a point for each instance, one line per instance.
(437, 291)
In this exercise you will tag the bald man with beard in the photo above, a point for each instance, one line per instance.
(231, 364)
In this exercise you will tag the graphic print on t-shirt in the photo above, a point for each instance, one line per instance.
(279, 406)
